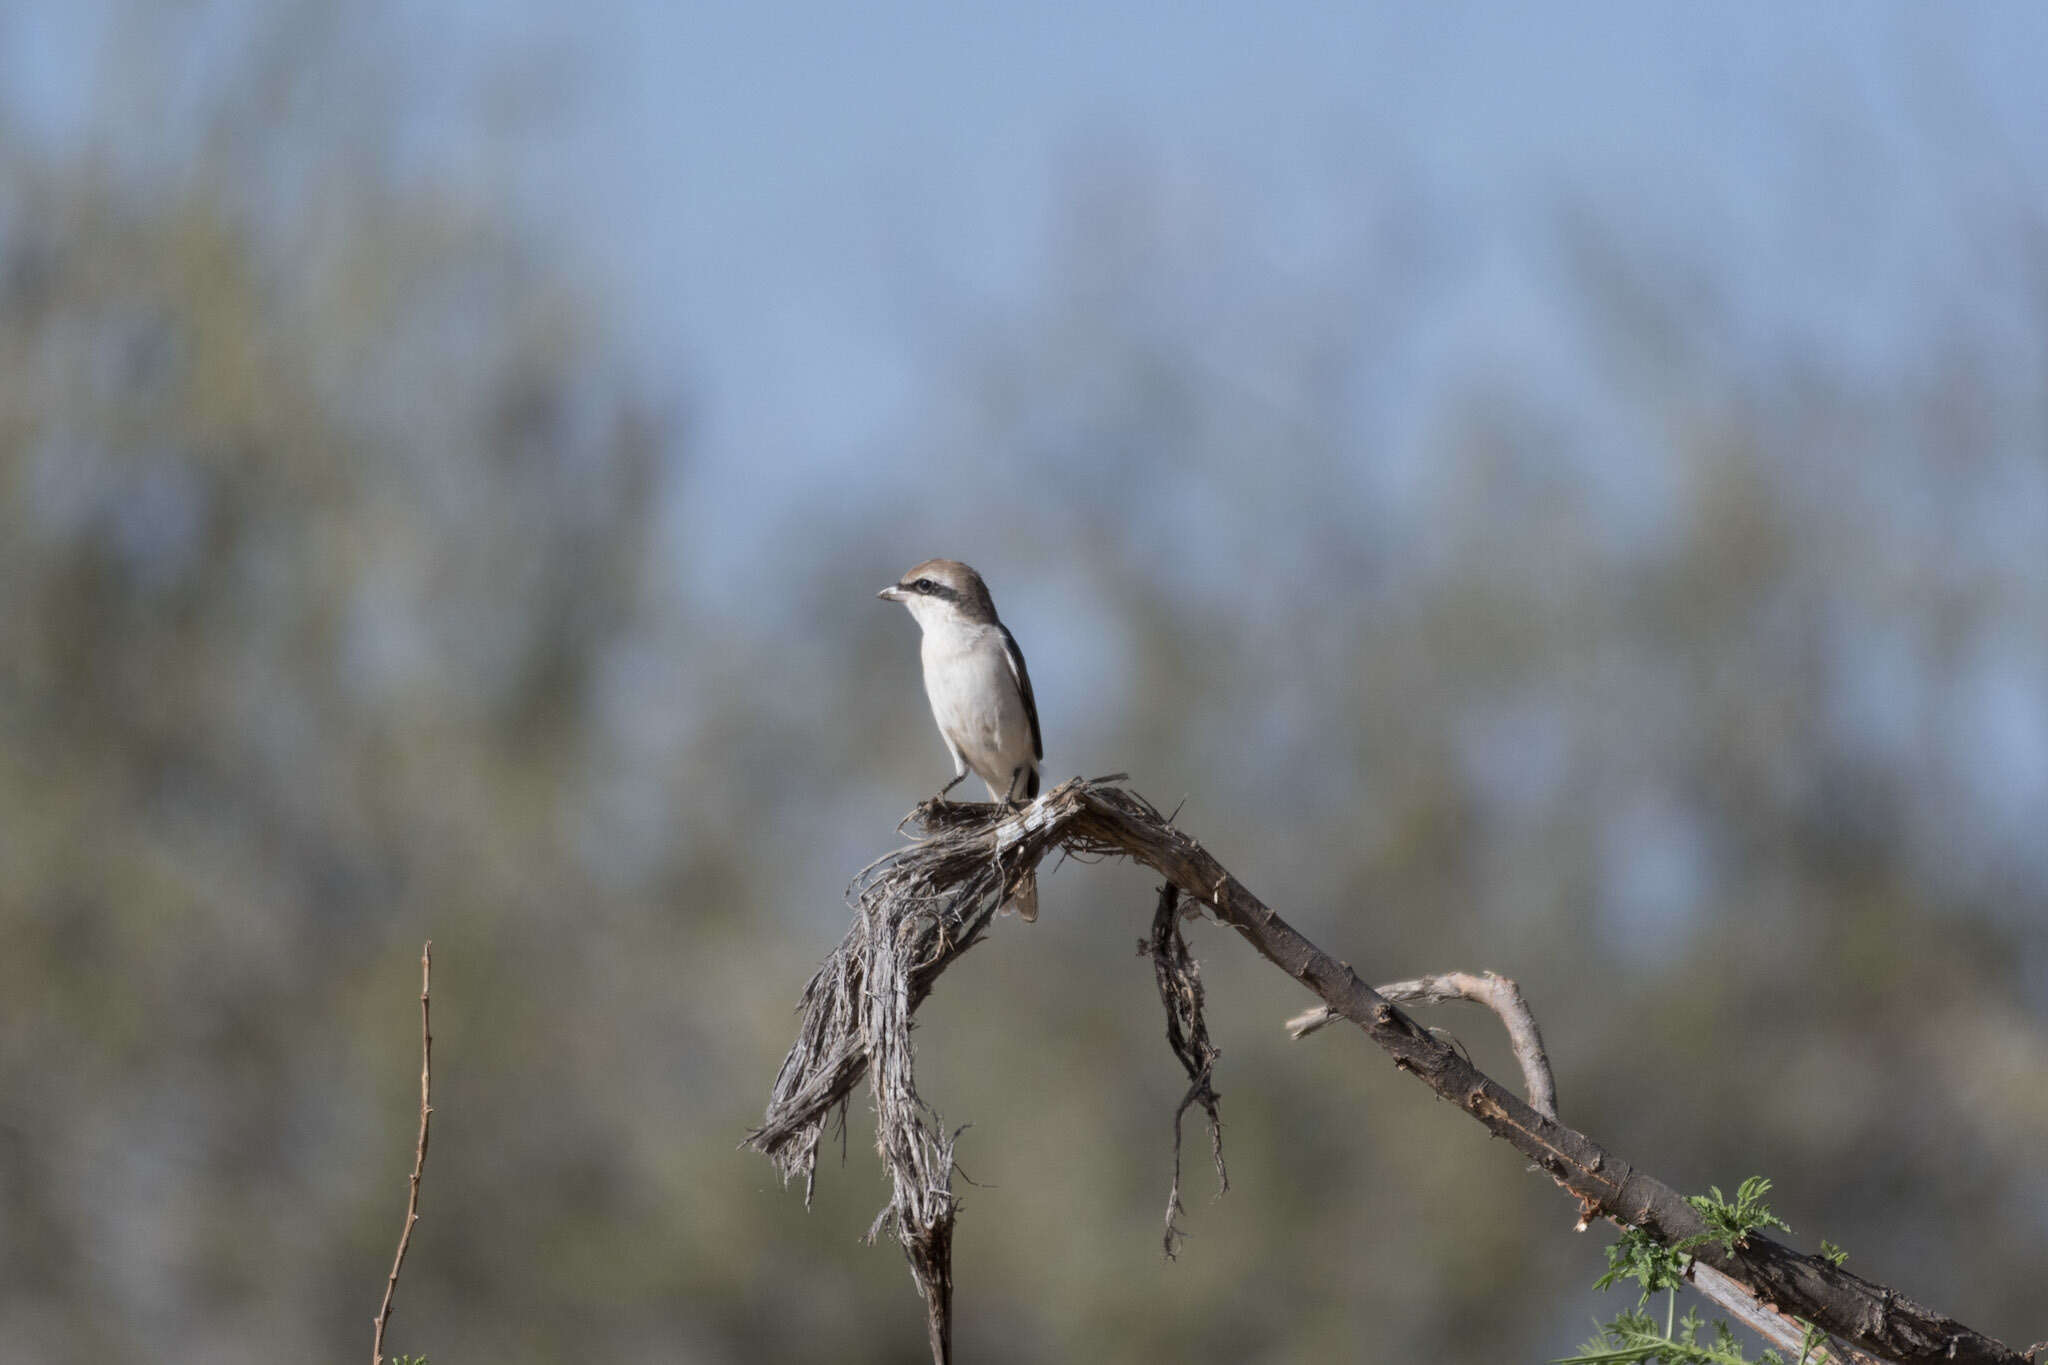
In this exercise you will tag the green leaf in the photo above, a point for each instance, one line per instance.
(1730, 1222)
(1639, 1257)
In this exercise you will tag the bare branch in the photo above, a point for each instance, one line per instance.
(419, 1156)
(1497, 993)
(925, 904)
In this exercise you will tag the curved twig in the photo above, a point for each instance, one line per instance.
(1497, 993)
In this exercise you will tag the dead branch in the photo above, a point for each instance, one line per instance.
(419, 1156)
(1497, 993)
(925, 904)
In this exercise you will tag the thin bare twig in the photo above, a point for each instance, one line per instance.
(419, 1156)
(1497, 993)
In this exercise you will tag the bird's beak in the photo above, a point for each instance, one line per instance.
(892, 593)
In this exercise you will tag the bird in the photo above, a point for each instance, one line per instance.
(979, 689)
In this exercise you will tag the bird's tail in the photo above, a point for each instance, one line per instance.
(1024, 897)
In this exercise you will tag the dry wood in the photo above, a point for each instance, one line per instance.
(1187, 1033)
(1497, 993)
(923, 905)
(419, 1155)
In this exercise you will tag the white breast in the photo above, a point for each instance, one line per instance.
(976, 703)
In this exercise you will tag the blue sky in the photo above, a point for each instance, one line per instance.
(772, 194)
(771, 173)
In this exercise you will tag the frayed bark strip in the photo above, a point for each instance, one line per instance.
(1187, 1033)
(920, 907)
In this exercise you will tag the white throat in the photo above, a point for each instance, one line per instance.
(937, 617)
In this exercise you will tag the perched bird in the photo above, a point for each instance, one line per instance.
(980, 691)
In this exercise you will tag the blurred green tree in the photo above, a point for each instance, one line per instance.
(1693, 681)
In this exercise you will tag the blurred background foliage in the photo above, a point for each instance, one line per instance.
(358, 587)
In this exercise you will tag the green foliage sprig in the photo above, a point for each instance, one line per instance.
(1730, 1222)
(1639, 1257)
(1634, 1336)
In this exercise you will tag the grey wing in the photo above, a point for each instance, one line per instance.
(1023, 677)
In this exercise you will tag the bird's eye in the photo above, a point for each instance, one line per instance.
(923, 585)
